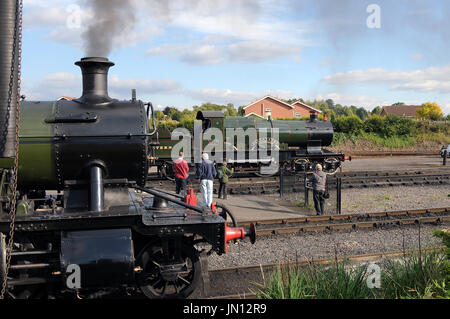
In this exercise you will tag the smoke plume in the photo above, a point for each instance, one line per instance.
(112, 20)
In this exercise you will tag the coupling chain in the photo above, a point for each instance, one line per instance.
(17, 45)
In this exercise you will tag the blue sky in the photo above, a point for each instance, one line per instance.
(186, 52)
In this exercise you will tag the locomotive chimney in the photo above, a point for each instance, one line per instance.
(95, 80)
(312, 116)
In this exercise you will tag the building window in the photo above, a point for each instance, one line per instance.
(268, 109)
(297, 115)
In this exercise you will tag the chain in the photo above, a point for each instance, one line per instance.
(17, 44)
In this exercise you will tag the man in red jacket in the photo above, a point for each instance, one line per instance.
(181, 170)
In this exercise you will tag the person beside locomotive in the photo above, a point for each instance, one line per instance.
(181, 170)
(319, 181)
(223, 173)
(206, 172)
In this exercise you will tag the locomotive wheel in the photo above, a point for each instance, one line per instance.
(163, 277)
(333, 162)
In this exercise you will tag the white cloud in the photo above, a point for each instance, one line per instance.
(242, 20)
(43, 16)
(202, 55)
(432, 79)
(367, 102)
(55, 85)
(199, 53)
(222, 96)
(258, 51)
(236, 97)
(122, 87)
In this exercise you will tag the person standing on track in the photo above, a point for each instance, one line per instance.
(206, 172)
(223, 173)
(319, 180)
(181, 170)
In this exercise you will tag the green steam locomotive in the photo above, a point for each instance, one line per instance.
(299, 144)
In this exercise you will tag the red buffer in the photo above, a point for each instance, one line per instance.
(191, 199)
(239, 233)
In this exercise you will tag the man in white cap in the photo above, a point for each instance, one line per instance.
(319, 180)
(206, 172)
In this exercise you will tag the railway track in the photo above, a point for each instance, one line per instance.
(295, 183)
(393, 153)
(350, 221)
(247, 276)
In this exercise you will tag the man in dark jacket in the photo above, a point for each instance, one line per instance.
(206, 172)
(319, 180)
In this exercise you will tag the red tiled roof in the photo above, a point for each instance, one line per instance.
(401, 110)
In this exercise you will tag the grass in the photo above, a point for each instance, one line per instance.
(315, 281)
(301, 203)
(394, 142)
(420, 275)
(414, 276)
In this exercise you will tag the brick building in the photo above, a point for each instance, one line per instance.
(269, 105)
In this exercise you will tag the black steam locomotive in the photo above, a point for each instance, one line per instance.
(79, 219)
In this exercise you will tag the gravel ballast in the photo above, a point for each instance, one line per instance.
(309, 246)
(383, 199)
(283, 248)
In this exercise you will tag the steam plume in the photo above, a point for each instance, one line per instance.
(111, 21)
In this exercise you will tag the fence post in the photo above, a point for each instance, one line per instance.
(306, 191)
(444, 160)
(338, 194)
(281, 182)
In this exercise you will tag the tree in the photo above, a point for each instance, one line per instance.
(330, 103)
(398, 104)
(362, 113)
(159, 115)
(376, 111)
(429, 110)
(168, 109)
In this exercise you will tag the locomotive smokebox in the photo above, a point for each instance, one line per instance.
(95, 80)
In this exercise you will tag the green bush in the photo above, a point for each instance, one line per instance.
(374, 124)
(348, 124)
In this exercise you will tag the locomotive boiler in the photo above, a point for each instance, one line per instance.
(79, 219)
(300, 144)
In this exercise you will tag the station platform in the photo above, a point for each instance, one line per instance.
(254, 208)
